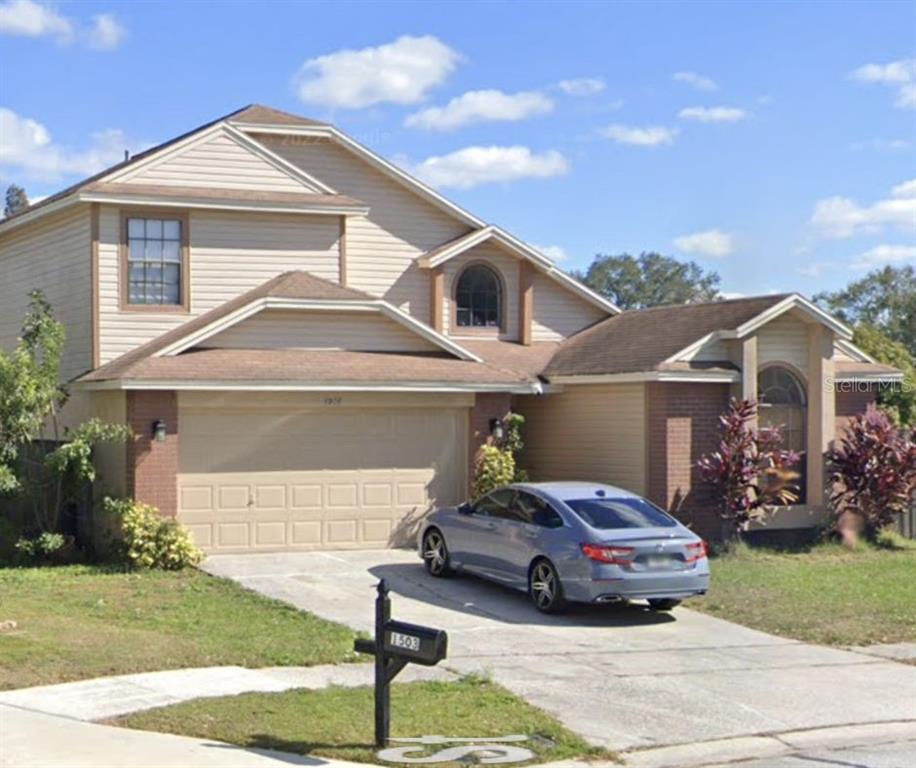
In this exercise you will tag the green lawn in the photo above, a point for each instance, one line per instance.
(79, 622)
(338, 722)
(827, 594)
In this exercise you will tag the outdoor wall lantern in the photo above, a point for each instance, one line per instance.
(497, 429)
(159, 431)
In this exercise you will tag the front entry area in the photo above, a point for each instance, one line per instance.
(284, 471)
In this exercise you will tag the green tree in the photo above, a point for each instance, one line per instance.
(16, 200)
(899, 400)
(884, 299)
(40, 461)
(650, 280)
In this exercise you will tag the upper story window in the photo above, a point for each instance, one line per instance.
(155, 255)
(478, 298)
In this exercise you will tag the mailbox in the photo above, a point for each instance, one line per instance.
(396, 645)
(421, 645)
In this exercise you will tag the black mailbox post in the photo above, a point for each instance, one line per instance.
(397, 644)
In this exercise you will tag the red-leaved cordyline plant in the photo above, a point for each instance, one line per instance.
(750, 471)
(873, 474)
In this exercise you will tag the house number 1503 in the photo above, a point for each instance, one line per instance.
(333, 400)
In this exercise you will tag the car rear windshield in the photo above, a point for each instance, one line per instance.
(609, 514)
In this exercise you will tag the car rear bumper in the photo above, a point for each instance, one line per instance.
(638, 586)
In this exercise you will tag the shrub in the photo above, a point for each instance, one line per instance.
(749, 471)
(44, 547)
(873, 473)
(891, 539)
(150, 540)
(493, 467)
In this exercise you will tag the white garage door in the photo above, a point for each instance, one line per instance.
(261, 479)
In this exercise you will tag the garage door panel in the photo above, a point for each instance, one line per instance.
(316, 480)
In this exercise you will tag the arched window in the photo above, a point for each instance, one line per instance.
(783, 404)
(478, 298)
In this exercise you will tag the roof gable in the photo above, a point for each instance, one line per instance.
(442, 254)
(219, 157)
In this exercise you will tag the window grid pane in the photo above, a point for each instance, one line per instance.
(477, 297)
(154, 256)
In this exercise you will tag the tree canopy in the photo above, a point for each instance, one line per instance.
(649, 280)
(884, 299)
(16, 200)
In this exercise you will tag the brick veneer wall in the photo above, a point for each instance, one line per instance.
(489, 405)
(682, 425)
(851, 399)
(152, 468)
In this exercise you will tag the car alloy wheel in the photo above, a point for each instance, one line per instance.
(546, 590)
(435, 554)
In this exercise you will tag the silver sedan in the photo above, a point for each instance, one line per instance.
(569, 542)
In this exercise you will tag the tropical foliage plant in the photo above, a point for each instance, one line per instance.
(749, 471)
(873, 475)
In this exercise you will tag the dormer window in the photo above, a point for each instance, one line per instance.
(155, 261)
(478, 298)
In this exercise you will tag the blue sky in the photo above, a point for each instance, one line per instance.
(773, 142)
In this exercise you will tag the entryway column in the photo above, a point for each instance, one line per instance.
(821, 408)
(749, 372)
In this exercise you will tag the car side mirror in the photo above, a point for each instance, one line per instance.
(466, 509)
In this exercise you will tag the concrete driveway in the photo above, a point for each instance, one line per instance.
(622, 677)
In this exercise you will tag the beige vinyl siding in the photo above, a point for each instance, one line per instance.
(230, 253)
(53, 255)
(381, 247)
(587, 432)
(715, 350)
(217, 162)
(558, 312)
(784, 340)
(296, 329)
(508, 269)
(839, 354)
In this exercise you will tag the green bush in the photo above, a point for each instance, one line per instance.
(888, 538)
(44, 547)
(493, 467)
(150, 540)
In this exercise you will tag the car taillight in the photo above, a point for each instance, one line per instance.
(602, 553)
(696, 551)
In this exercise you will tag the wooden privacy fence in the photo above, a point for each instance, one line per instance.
(906, 524)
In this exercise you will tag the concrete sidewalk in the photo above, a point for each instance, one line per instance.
(37, 740)
(107, 697)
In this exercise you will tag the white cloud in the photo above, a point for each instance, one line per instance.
(843, 217)
(583, 86)
(402, 72)
(106, 34)
(29, 19)
(649, 136)
(699, 82)
(900, 74)
(480, 107)
(882, 255)
(26, 18)
(711, 242)
(555, 252)
(887, 145)
(713, 114)
(26, 145)
(905, 189)
(732, 295)
(472, 166)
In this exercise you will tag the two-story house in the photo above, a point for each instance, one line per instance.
(310, 345)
